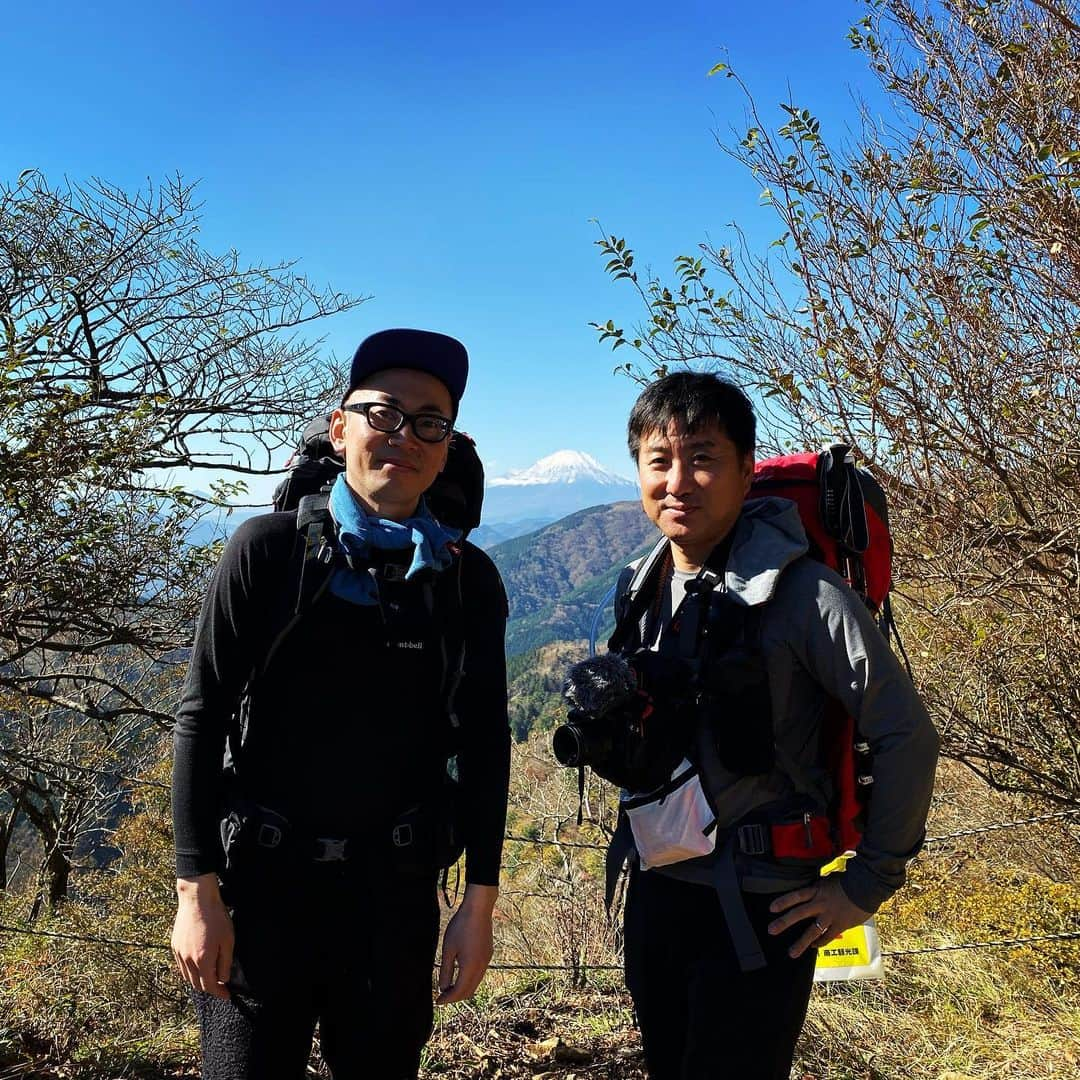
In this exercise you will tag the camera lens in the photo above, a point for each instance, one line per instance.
(566, 744)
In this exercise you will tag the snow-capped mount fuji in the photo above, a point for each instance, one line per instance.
(562, 467)
(556, 485)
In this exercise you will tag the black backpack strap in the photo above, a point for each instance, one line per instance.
(445, 600)
(316, 525)
(620, 850)
(315, 530)
(454, 667)
(887, 623)
(843, 512)
(632, 618)
(729, 892)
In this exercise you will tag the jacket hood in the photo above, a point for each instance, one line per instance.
(769, 536)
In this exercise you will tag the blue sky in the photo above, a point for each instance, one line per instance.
(445, 160)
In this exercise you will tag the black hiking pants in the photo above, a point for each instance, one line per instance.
(351, 951)
(701, 1018)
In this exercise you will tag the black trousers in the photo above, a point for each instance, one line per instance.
(352, 951)
(701, 1018)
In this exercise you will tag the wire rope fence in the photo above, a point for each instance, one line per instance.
(1005, 943)
(529, 894)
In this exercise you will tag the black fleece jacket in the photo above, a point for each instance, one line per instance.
(346, 727)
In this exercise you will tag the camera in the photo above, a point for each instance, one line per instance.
(583, 739)
(626, 721)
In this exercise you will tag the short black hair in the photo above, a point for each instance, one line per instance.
(690, 400)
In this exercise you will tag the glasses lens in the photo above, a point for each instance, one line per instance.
(431, 428)
(384, 417)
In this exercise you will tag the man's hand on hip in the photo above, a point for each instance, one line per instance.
(467, 945)
(827, 907)
(202, 937)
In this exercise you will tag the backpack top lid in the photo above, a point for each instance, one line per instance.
(843, 511)
(315, 440)
(314, 464)
(455, 498)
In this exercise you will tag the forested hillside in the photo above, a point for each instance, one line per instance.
(534, 685)
(556, 577)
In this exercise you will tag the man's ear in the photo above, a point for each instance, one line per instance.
(337, 430)
(747, 472)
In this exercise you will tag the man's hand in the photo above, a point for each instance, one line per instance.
(202, 937)
(467, 944)
(826, 904)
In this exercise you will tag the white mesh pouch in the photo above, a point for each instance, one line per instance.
(674, 822)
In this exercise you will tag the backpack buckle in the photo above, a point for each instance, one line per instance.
(753, 839)
(325, 552)
(330, 849)
(402, 835)
(268, 836)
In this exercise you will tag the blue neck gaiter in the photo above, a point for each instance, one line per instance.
(359, 535)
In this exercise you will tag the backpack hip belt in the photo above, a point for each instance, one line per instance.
(250, 830)
(807, 840)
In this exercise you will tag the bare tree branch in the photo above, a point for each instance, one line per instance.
(127, 353)
(922, 302)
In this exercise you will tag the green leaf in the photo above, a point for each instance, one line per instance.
(716, 69)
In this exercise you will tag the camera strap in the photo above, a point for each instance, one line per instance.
(638, 602)
(690, 622)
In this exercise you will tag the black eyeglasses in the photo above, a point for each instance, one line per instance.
(429, 427)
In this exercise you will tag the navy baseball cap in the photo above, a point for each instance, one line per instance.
(422, 350)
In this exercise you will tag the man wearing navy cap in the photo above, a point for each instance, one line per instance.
(313, 899)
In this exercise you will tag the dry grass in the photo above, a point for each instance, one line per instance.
(82, 1011)
(947, 1016)
(525, 1029)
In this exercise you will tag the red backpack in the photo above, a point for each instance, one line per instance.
(844, 512)
(845, 515)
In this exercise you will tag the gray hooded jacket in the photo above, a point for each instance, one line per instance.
(819, 640)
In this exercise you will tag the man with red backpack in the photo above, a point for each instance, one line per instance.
(742, 645)
(342, 737)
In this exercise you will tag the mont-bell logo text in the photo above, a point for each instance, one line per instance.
(409, 644)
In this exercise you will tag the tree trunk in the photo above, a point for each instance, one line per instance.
(7, 830)
(53, 876)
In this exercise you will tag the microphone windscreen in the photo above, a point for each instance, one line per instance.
(600, 683)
